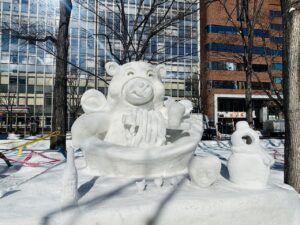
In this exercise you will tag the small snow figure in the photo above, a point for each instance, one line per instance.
(204, 170)
(69, 195)
(249, 165)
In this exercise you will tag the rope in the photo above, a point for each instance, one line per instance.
(31, 164)
(20, 147)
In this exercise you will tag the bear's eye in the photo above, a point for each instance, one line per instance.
(150, 74)
(130, 73)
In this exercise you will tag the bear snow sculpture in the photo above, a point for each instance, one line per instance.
(133, 114)
(134, 132)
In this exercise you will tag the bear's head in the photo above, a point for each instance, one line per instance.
(135, 84)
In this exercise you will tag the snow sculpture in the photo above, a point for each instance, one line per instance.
(249, 165)
(132, 133)
(70, 181)
(204, 170)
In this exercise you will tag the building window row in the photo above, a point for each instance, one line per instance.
(31, 8)
(177, 75)
(181, 49)
(231, 66)
(257, 32)
(259, 50)
(276, 40)
(275, 13)
(233, 30)
(232, 84)
(275, 26)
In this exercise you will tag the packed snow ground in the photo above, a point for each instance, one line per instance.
(275, 147)
(42, 180)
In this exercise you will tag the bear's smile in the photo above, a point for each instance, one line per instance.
(138, 91)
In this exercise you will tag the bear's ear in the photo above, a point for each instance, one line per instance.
(161, 70)
(111, 68)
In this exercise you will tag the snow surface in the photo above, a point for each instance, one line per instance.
(32, 195)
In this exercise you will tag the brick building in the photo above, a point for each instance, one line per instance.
(222, 69)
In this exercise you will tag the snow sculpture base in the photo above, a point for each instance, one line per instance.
(189, 206)
(116, 201)
(106, 159)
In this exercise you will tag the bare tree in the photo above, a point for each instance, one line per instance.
(291, 71)
(75, 86)
(132, 36)
(8, 101)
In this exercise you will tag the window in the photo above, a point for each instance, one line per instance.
(277, 40)
(260, 67)
(30, 89)
(6, 6)
(277, 66)
(48, 100)
(22, 59)
(39, 89)
(21, 88)
(24, 7)
(194, 49)
(14, 59)
(174, 49)
(275, 26)
(15, 5)
(33, 7)
(224, 84)
(277, 80)
(3, 88)
(181, 49)
(231, 66)
(147, 2)
(5, 41)
(261, 86)
(13, 80)
(153, 47)
(22, 80)
(167, 47)
(31, 48)
(275, 13)
(174, 93)
(241, 85)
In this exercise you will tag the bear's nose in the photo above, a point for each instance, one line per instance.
(143, 84)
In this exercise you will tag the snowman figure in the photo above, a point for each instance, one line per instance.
(249, 165)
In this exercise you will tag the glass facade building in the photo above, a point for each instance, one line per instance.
(27, 68)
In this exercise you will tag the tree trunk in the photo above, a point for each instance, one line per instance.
(59, 121)
(248, 95)
(291, 19)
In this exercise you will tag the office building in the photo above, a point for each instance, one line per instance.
(27, 69)
(222, 69)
